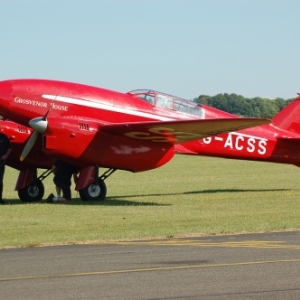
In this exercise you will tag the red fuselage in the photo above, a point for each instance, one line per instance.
(94, 126)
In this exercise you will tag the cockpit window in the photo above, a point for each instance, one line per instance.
(164, 101)
(170, 102)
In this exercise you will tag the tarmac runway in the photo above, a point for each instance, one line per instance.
(250, 266)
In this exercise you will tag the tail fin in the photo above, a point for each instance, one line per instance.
(289, 117)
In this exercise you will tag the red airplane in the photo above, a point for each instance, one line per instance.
(92, 127)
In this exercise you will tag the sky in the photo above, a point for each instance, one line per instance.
(185, 48)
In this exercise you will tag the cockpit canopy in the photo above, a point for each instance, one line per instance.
(159, 99)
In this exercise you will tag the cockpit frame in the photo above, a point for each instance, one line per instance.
(163, 100)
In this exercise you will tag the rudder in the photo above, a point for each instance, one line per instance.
(289, 117)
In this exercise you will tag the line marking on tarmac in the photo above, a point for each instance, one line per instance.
(170, 268)
(192, 243)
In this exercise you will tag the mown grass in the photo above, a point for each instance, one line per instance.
(188, 196)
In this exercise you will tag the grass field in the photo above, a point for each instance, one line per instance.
(188, 196)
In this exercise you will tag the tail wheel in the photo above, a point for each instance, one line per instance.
(94, 192)
(32, 193)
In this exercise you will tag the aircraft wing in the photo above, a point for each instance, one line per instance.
(134, 146)
(179, 131)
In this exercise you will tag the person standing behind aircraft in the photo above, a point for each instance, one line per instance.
(62, 179)
(5, 149)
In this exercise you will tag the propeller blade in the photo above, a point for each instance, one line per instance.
(39, 125)
(29, 145)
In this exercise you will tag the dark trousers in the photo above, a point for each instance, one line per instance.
(2, 170)
(66, 188)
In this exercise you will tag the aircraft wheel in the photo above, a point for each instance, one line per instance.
(32, 193)
(94, 192)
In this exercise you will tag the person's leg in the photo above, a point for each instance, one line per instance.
(51, 198)
(2, 170)
(58, 191)
(66, 191)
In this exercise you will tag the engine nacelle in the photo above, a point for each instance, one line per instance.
(69, 137)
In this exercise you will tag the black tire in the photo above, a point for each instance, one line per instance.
(32, 193)
(94, 192)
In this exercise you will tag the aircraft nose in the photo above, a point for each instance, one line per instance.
(5, 96)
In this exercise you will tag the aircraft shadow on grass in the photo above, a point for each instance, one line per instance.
(214, 191)
(107, 202)
(211, 191)
(117, 201)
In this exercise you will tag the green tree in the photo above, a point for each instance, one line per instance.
(248, 107)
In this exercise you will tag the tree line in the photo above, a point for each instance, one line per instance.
(247, 107)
